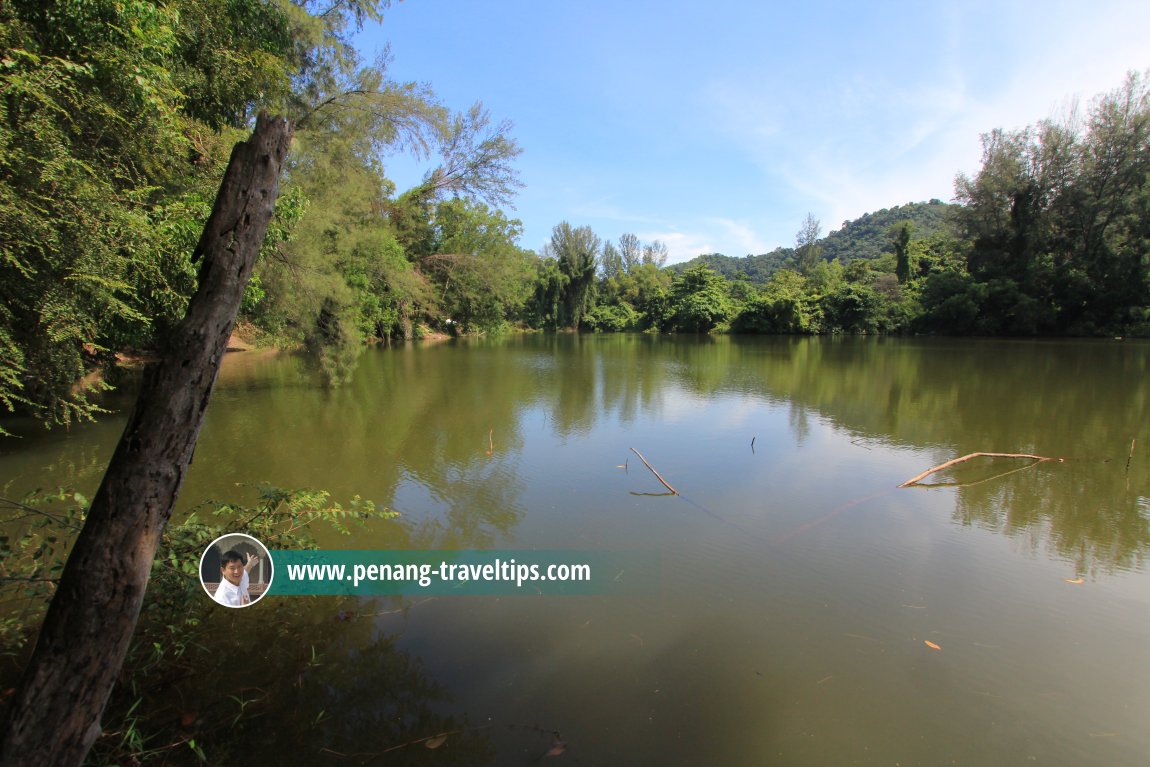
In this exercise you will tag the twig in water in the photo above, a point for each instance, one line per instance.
(1131, 454)
(657, 476)
(752, 445)
(948, 464)
(1027, 467)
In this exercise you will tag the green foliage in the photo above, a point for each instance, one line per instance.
(900, 240)
(178, 635)
(613, 318)
(545, 306)
(853, 308)
(786, 305)
(575, 249)
(482, 276)
(698, 302)
(756, 269)
(808, 251)
(87, 121)
(868, 236)
(952, 302)
(1055, 218)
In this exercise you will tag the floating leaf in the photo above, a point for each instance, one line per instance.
(436, 742)
(931, 645)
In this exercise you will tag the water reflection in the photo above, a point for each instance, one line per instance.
(246, 688)
(451, 434)
(800, 585)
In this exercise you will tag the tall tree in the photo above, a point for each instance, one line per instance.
(575, 249)
(807, 250)
(655, 253)
(611, 261)
(1055, 218)
(482, 275)
(900, 240)
(631, 251)
(54, 716)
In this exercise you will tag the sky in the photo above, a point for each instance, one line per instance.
(717, 127)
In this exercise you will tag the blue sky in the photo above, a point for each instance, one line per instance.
(716, 127)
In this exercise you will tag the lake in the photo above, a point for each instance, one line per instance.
(805, 610)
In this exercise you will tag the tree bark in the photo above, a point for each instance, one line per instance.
(54, 717)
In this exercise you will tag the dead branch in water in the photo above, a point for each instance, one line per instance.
(948, 464)
(652, 468)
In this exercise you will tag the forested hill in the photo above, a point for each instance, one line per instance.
(869, 235)
(866, 237)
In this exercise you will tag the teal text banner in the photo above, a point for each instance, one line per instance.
(463, 573)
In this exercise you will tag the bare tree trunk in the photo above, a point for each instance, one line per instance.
(55, 715)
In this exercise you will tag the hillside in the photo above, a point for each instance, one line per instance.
(866, 237)
(869, 235)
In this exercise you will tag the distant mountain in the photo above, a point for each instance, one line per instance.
(869, 235)
(756, 269)
(866, 237)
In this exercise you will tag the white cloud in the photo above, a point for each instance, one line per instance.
(749, 241)
(681, 246)
(883, 138)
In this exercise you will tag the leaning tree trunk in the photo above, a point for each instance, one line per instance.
(55, 716)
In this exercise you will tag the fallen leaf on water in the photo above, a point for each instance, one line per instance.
(931, 645)
(1074, 580)
(436, 742)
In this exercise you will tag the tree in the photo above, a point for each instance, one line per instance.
(477, 159)
(786, 305)
(699, 302)
(545, 306)
(483, 276)
(807, 250)
(575, 249)
(611, 261)
(89, 624)
(84, 261)
(1056, 217)
(900, 239)
(631, 251)
(656, 254)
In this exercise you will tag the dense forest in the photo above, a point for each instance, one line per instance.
(117, 119)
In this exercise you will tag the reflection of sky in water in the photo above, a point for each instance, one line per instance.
(799, 585)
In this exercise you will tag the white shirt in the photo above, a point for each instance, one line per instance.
(230, 595)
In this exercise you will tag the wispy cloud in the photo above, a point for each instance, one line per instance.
(681, 246)
(742, 233)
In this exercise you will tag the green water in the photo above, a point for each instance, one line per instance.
(798, 586)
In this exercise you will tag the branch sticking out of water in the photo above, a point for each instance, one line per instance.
(948, 464)
(652, 468)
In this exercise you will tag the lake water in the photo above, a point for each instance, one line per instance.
(797, 587)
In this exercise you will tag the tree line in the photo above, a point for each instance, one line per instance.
(116, 120)
(1050, 237)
